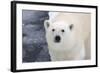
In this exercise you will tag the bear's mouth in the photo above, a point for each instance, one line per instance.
(57, 39)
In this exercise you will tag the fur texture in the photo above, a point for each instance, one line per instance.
(72, 45)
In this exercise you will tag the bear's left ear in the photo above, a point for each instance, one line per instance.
(46, 24)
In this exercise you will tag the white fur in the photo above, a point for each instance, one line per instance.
(72, 45)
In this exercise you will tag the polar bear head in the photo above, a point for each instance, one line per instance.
(59, 34)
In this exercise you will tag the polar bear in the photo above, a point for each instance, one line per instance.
(67, 35)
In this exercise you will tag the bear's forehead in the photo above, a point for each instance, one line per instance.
(60, 24)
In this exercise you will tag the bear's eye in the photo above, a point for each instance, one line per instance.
(71, 26)
(62, 30)
(53, 30)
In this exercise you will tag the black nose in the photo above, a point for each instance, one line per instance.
(57, 39)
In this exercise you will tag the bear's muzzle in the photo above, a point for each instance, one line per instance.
(57, 39)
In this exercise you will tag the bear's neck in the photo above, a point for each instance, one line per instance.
(75, 53)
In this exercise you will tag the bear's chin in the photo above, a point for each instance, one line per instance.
(59, 46)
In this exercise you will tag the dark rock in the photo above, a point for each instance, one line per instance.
(34, 42)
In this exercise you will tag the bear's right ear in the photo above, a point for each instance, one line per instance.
(46, 24)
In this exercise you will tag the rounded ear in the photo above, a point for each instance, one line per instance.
(46, 24)
(71, 26)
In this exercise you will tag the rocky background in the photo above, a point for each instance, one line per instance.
(34, 41)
